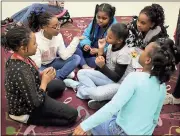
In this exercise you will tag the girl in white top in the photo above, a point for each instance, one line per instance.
(51, 51)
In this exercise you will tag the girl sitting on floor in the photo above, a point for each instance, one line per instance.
(50, 44)
(135, 108)
(102, 84)
(30, 94)
(148, 27)
(97, 29)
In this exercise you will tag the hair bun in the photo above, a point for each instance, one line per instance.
(156, 8)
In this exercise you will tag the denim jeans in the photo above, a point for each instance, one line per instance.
(63, 67)
(23, 14)
(109, 127)
(86, 58)
(95, 85)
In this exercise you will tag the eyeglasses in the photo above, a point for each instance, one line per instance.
(56, 27)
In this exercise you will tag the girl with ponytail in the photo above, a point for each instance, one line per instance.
(148, 27)
(139, 90)
(51, 50)
(97, 29)
(30, 94)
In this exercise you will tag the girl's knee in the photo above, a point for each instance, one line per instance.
(79, 52)
(56, 88)
(82, 72)
(91, 62)
(76, 59)
(96, 96)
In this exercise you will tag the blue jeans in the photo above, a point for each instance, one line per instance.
(23, 14)
(95, 85)
(63, 67)
(109, 127)
(86, 58)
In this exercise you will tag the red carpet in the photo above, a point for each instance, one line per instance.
(169, 124)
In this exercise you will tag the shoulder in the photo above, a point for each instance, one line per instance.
(162, 34)
(89, 26)
(16, 66)
(139, 76)
(125, 51)
(38, 34)
(114, 21)
(132, 76)
(109, 47)
(58, 37)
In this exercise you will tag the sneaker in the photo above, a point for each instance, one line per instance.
(171, 100)
(95, 105)
(71, 83)
(71, 75)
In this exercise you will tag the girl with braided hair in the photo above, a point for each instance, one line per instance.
(31, 95)
(51, 50)
(102, 84)
(97, 29)
(140, 90)
(148, 27)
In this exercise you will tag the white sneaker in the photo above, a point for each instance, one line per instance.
(171, 100)
(71, 75)
(71, 83)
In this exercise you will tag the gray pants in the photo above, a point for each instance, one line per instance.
(95, 85)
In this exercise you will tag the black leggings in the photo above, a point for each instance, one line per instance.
(53, 112)
(176, 92)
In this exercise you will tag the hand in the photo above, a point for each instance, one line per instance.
(86, 48)
(93, 51)
(48, 74)
(81, 37)
(79, 131)
(100, 61)
(101, 43)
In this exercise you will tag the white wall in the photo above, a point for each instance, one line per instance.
(83, 9)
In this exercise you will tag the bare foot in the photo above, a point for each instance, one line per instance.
(86, 67)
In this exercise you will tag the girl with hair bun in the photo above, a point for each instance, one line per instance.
(140, 90)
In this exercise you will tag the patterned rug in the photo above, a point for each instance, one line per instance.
(169, 122)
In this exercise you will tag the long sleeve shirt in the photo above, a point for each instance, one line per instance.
(22, 82)
(47, 50)
(137, 104)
